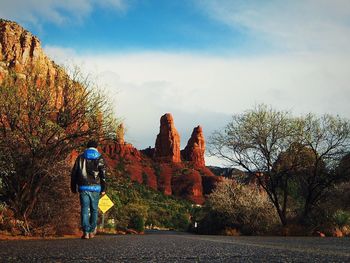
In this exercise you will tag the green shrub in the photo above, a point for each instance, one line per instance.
(134, 201)
(180, 221)
(341, 218)
(137, 222)
(210, 222)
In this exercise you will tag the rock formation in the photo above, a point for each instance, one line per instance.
(120, 134)
(167, 147)
(19, 48)
(21, 52)
(195, 149)
(187, 183)
(161, 168)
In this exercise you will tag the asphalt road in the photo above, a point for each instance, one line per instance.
(172, 247)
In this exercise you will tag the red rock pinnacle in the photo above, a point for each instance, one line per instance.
(195, 149)
(167, 147)
(120, 133)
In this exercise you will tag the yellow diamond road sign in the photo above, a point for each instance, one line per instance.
(105, 203)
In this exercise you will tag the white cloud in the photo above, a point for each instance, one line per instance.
(118, 4)
(56, 11)
(296, 25)
(61, 55)
(206, 90)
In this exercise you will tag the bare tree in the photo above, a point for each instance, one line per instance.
(41, 122)
(244, 206)
(269, 144)
(327, 139)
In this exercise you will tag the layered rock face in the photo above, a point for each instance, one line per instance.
(195, 149)
(119, 149)
(168, 141)
(187, 183)
(21, 52)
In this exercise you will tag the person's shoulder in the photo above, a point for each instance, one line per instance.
(80, 156)
(91, 154)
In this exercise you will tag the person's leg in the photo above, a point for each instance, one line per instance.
(85, 207)
(95, 197)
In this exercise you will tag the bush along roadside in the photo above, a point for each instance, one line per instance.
(137, 207)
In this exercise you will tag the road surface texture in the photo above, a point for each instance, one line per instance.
(172, 247)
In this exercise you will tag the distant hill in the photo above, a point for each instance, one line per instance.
(232, 173)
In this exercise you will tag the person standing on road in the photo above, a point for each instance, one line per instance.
(89, 178)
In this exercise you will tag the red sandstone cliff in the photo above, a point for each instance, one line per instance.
(21, 52)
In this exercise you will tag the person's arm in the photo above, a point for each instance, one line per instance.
(73, 177)
(102, 174)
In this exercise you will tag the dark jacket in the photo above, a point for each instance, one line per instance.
(89, 171)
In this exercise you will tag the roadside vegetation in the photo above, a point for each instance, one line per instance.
(41, 122)
(138, 207)
(234, 209)
(301, 164)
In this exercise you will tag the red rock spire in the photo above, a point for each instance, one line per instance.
(120, 133)
(167, 147)
(195, 149)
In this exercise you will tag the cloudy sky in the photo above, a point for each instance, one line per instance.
(201, 60)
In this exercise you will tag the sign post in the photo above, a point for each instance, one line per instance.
(105, 203)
